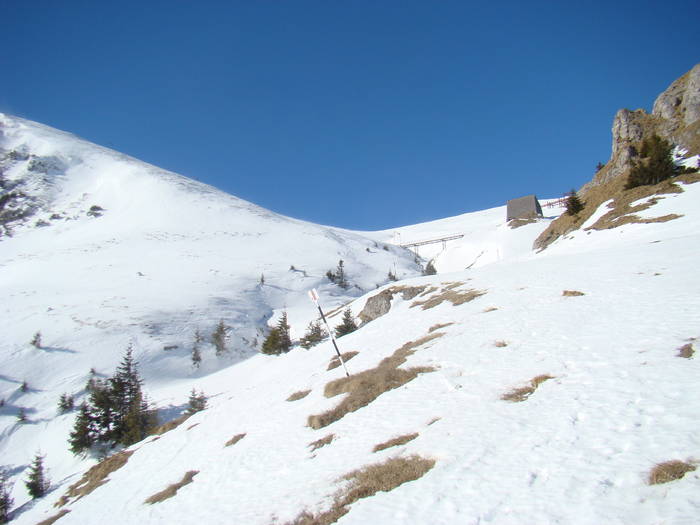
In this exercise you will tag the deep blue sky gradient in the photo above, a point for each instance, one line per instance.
(365, 115)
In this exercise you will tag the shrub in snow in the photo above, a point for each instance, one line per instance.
(5, 498)
(314, 335)
(219, 338)
(21, 415)
(38, 483)
(65, 403)
(196, 353)
(347, 324)
(278, 341)
(430, 269)
(197, 402)
(36, 340)
(338, 276)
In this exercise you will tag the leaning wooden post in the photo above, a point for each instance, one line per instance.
(313, 294)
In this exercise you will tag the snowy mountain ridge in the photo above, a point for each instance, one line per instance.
(530, 388)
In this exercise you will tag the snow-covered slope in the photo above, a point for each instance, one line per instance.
(613, 397)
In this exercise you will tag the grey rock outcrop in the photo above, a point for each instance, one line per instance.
(675, 117)
(380, 304)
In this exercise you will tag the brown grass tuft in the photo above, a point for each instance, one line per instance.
(500, 344)
(366, 386)
(235, 439)
(95, 477)
(171, 490)
(166, 427)
(315, 445)
(448, 293)
(490, 309)
(365, 483)
(335, 362)
(521, 394)
(438, 326)
(54, 518)
(572, 293)
(686, 351)
(395, 442)
(669, 471)
(301, 394)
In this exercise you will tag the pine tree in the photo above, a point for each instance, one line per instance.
(82, 438)
(6, 500)
(38, 483)
(655, 164)
(197, 402)
(22, 415)
(36, 340)
(196, 353)
(347, 324)
(278, 341)
(392, 276)
(338, 277)
(219, 338)
(314, 335)
(573, 203)
(430, 269)
(24, 387)
(65, 403)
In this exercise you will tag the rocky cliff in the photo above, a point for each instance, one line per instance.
(675, 117)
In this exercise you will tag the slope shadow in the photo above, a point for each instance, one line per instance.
(52, 349)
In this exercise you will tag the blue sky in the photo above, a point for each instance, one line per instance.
(364, 115)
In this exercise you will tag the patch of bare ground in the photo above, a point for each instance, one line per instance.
(235, 439)
(434, 420)
(500, 344)
(335, 362)
(366, 386)
(686, 351)
(438, 327)
(448, 293)
(192, 426)
(171, 490)
(166, 427)
(365, 483)
(301, 394)
(521, 394)
(54, 518)
(95, 477)
(490, 309)
(395, 442)
(620, 210)
(669, 471)
(517, 223)
(572, 293)
(315, 445)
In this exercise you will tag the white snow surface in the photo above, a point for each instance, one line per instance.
(578, 450)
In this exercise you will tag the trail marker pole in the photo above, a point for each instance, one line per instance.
(313, 294)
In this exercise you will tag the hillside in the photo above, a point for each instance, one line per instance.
(512, 387)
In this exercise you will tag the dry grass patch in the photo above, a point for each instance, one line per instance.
(335, 362)
(368, 385)
(95, 477)
(490, 309)
(365, 483)
(500, 344)
(521, 394)
(395, 442)
(192, 426)
(686, 351)
(517, 223)
(434, 420)
(620, 210)
(448, 293)
(438, 326)
(301, 394)
(315, 445)
(54, 518)
(166, 427)
(235, 439)
(572, 293)
(669, 471)
(171, 490)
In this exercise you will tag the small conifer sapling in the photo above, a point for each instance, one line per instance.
(219, 338)
(37, 483)
(573, 203)
(6, 500)
(196, 402)
(36, 340)
(347, 324)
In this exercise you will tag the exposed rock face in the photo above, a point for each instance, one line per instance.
(379, 304)
(675, 117)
